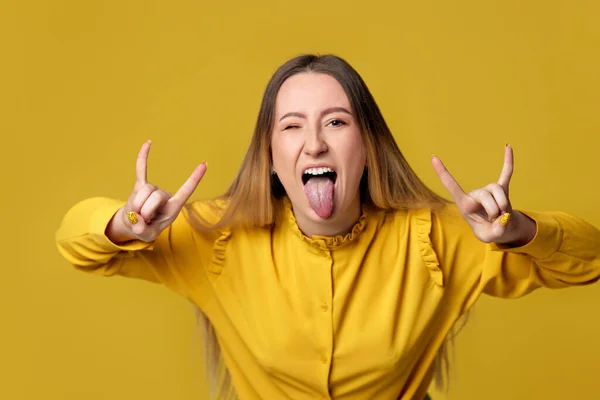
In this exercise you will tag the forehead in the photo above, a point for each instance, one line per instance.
(310, 91)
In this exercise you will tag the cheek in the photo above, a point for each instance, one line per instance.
(283, 151)
(355, 150)
(356, 157)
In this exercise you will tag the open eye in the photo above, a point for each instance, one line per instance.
(337, 122)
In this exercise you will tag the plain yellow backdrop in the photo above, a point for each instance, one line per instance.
(84, 83)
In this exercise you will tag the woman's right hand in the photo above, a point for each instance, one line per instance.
(151, 209)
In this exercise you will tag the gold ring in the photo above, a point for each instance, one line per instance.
(133, 219)
(504, 220)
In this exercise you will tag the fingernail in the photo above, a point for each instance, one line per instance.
(432, 155)
(133, 219)
(507, 144)
(205, 163)
(504, 220)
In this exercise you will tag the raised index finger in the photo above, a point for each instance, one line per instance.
(507, 168)
(448, 180)
(187, 189)
(141, 165)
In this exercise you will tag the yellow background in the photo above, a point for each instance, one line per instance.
(84, 83)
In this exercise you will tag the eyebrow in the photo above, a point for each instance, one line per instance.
(323, 113)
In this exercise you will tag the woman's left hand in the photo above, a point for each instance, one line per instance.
(488, 210)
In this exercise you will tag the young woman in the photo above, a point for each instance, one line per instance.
(328, 269)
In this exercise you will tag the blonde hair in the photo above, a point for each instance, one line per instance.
(389, 183)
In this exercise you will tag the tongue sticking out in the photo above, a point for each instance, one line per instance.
(319, 191)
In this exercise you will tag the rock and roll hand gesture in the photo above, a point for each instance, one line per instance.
(488, 210)
(149, 210)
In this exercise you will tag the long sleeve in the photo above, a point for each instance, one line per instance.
(173, 259)
(564, 252)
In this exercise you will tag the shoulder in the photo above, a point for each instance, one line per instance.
(423, 219)
(205, 212)
(439, 226)
(427, 231)
(211, 223)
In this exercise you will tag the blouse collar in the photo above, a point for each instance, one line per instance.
(325, 242)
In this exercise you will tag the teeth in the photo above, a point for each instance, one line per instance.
(317, 171)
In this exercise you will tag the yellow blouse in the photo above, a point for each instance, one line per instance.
(359, 316)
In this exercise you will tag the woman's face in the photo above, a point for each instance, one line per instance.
(318, 151)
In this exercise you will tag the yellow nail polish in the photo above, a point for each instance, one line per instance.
(504, 220)
(133, 219)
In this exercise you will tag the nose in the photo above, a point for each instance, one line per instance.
(314, 143)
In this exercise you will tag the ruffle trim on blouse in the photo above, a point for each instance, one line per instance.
(423, 225)
(326, 242)
(219, 248)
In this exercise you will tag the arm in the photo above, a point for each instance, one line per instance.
(83, 242)
(486, 246)
(146, 237)
(565, 251)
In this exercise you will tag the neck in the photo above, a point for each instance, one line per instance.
(341, 224)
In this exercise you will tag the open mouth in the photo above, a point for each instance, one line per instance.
(319, 187)
(318, 173)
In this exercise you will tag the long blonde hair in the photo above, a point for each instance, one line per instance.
(389, 183)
